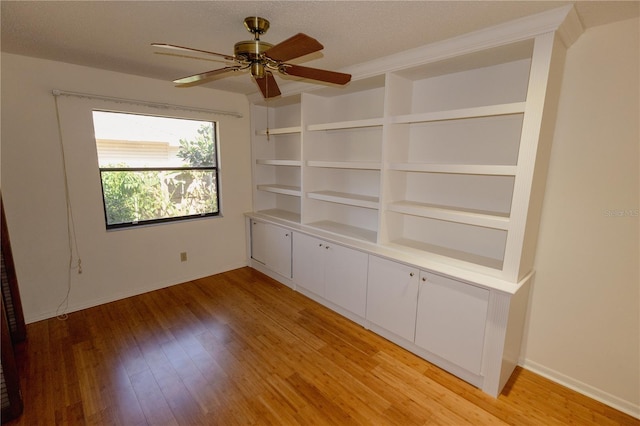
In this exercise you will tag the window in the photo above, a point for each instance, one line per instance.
(155, 169)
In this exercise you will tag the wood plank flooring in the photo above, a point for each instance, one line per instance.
(240, 349)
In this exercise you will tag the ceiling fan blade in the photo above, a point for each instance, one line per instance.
(316, 74)
(268, 86)
(192, 80)
(294, 47)
(189, 49)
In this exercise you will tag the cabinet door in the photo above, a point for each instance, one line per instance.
(451, 320)
(392, 296)
(259, 244)
(346, 278)
(308, 263)
(278, 253)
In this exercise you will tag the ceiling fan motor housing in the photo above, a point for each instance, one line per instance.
(251, 49)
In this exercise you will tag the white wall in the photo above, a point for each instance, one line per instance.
(115, 263)
(584, 318)
(584, 324)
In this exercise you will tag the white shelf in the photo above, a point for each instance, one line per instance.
(265, 162)
(281, 189)
(456, 114)
(346, 230)
(280, 131)
(404, 244)
(471, 169)
(343, 125)
(453, 214)
(281, 214)
(357, 200)
(360, 165)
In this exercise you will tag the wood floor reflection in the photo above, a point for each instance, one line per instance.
(240, 348)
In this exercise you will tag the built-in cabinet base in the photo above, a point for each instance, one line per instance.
(470, 329)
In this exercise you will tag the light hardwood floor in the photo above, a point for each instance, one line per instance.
(240, 348)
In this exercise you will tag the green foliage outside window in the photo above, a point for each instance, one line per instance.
(133, 196)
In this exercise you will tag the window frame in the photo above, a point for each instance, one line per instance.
(215, 169)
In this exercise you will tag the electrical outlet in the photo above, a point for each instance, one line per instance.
(183, 256)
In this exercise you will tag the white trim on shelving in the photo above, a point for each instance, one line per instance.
(563, 19)
(486, 219)
(357, 200)
(276, 162)
(281, 189)
(343, 125)
(280, 131)
(358, 165)
(456, 114)
(466, 169)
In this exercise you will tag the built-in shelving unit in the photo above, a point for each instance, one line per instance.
(414, 192)
(342, 160)
(277, 158)
(452, 142)
(436, 156)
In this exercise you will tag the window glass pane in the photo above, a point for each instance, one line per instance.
(137, 196)
(155, 169)
(131, 140)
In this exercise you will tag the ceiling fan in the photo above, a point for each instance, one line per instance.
(263, 59)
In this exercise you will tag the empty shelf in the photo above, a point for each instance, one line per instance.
(345, 198)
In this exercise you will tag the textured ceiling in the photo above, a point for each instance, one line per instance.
(116, 35)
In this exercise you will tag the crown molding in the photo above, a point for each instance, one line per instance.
(563, 20)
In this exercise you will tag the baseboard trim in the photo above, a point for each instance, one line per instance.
(613, 401)
(123, 295)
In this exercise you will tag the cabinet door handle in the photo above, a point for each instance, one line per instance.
(320, 245)
(410, 274)
(286, 235)
(326, 247)
(424, 279)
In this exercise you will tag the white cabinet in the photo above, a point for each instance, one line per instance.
(392, 296)
(346, 278)
(444, 316)
(271, 246)
(309, 263)
(259, 241)
(451, 320)
(331, 271)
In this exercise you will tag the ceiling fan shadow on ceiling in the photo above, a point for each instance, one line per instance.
(263, 60)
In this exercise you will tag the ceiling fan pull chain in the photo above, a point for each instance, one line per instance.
(268, 121)
(267, 105)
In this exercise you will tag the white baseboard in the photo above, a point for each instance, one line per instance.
(135, 291)
(613, 401)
